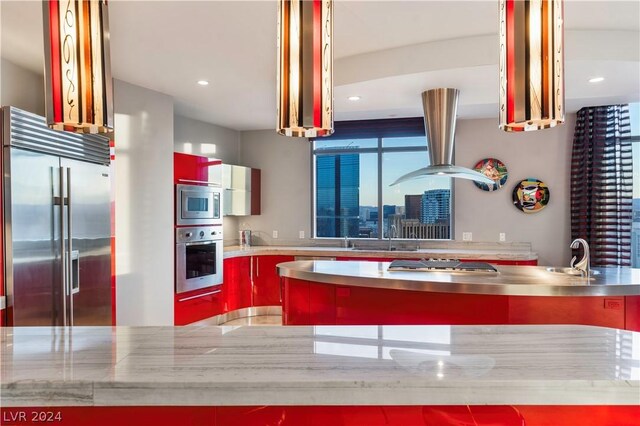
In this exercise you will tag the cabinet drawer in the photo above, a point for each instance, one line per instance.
(196, 306)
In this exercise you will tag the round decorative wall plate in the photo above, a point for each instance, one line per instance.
(495, 170)
(531, 195)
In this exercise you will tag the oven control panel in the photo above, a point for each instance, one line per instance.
(198, 233)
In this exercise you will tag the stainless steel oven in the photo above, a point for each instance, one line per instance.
(198, 257)
(198, 205)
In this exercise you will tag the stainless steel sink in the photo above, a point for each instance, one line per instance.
(570, 271)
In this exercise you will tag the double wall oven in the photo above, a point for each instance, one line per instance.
(199, 240)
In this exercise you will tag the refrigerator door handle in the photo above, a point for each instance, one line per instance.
(63, 258)
(70, 262)
(74, 273)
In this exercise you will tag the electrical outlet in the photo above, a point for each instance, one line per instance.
(467, 236)
(274, 234)
(503, 237)
(301, 235)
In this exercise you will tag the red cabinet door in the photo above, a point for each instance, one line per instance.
(191, 169)
(198, 305)
(237, 283)
(295, 302)
(361, 306)
(266, 282)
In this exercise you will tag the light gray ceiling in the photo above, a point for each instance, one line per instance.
(168, 45)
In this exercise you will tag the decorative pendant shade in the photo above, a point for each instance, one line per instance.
(305, 68)
(531, 64)
(79, 92)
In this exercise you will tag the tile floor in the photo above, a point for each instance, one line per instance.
(257, 320)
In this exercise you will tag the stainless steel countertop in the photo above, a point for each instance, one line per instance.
(509, 280)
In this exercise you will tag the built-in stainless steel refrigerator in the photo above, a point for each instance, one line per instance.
(56, 223)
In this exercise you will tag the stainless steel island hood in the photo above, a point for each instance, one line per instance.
(440, 108)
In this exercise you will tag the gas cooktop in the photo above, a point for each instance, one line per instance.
(440, 265)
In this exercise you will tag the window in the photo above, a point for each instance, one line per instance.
(353, 198)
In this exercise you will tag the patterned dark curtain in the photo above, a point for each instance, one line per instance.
(602, 183)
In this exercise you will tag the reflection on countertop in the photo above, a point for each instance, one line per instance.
(319, 365)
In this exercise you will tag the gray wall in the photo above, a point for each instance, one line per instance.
(21, 88)
(143, 169)
(543, 154)
(200, 138)
(286, 186)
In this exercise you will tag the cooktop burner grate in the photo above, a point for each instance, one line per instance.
(440, 265)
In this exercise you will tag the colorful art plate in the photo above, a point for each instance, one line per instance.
(531, 195)
(495, 170)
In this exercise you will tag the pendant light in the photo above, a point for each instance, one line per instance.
(531, 64)
(305, 68)
(78, 86)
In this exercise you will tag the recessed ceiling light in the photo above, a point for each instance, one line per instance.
(354, 98)
(203, 82)
(596, 79)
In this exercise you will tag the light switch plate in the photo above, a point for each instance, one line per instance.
(467, 236)
(274, 234)
(301, 235)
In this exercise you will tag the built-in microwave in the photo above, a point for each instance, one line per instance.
(198, 205)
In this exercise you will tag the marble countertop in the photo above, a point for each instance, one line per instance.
(320, 365)
(509, 280)
(450, 253)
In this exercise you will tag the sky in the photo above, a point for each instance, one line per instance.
(394, 165)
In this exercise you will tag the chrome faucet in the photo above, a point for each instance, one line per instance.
(584, 265)
(392, 233)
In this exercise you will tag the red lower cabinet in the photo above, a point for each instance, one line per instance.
(295, 302)
(309, 303)
(197, 305)
(266, 281)
(350, 415)
(587, 310)
(237, 283)
(360, 305)
(632, 313)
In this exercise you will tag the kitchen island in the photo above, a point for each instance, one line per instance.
(252, 285)
(335, 292)
(398, 375)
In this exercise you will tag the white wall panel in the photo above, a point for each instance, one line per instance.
(144, 206)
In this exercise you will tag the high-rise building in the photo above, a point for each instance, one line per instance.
(337, 195)
(436, 206)
(413, 206)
